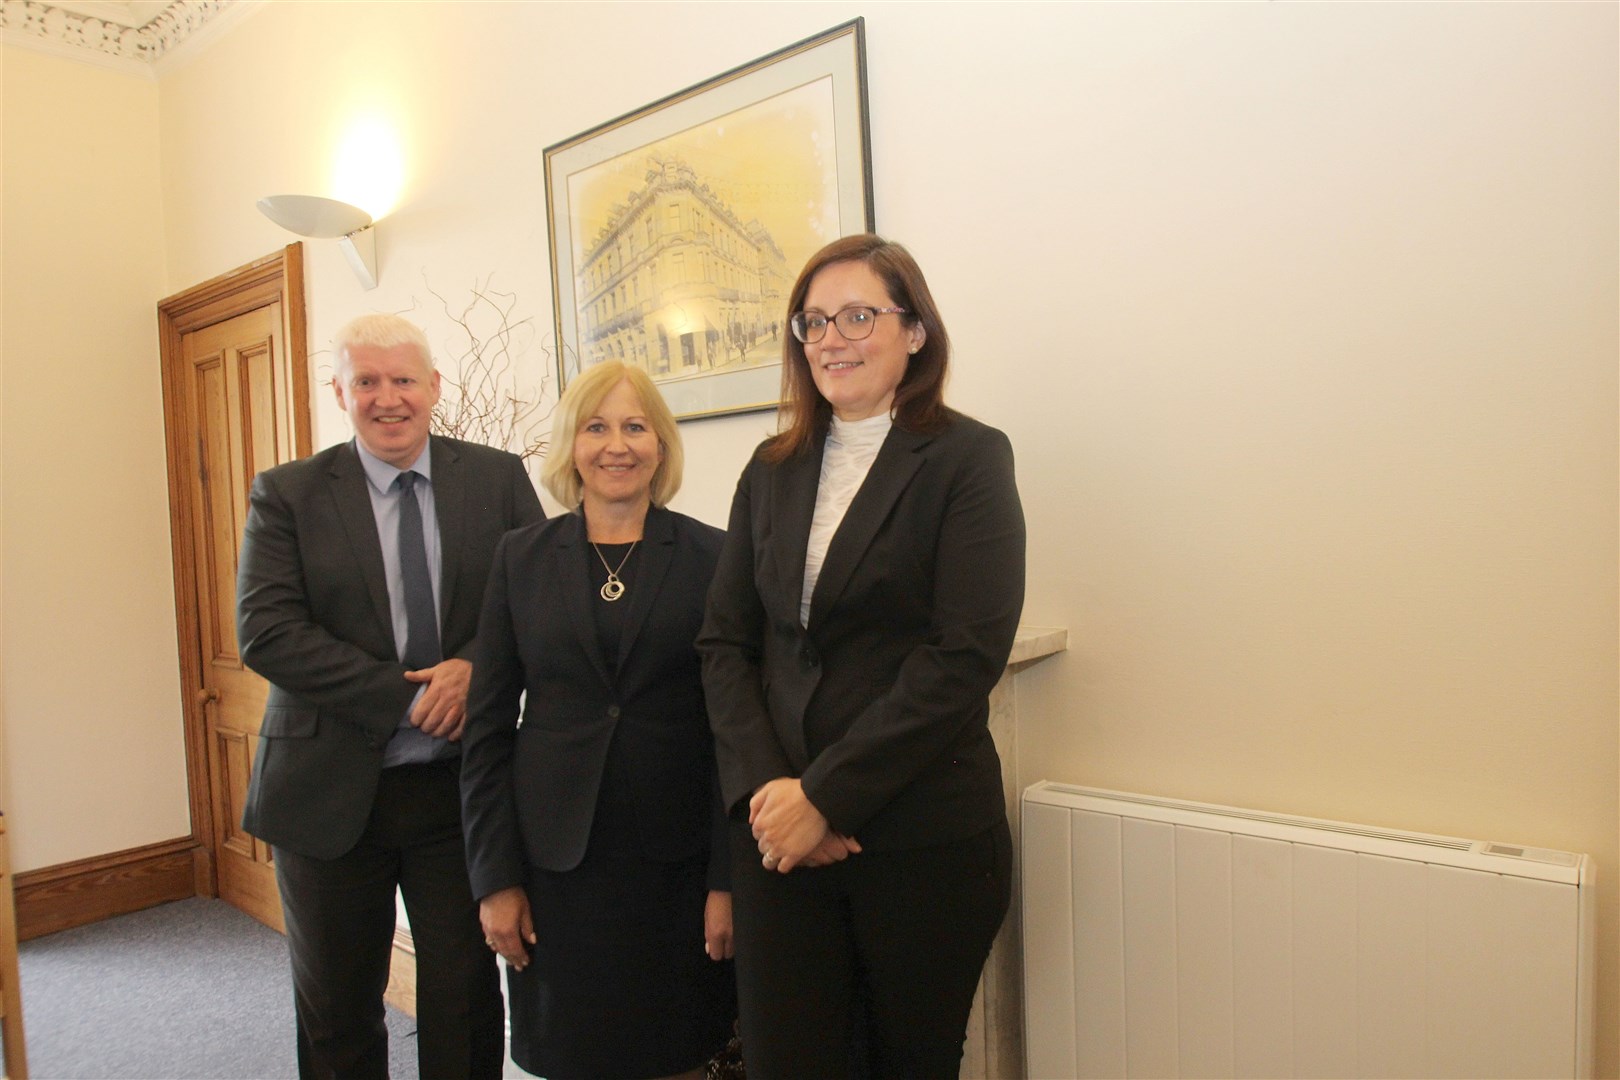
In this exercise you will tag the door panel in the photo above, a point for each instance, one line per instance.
(238, 409)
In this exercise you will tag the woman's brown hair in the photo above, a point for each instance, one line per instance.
(919, 403)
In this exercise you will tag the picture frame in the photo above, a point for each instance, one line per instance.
(677, 230)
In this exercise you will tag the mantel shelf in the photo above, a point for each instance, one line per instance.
(1037, 643)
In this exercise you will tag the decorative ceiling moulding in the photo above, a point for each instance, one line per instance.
(136, 37)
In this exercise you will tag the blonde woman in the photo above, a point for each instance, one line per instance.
(594, 841)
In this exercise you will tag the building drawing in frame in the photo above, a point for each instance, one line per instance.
(680, 285)
(676, 238)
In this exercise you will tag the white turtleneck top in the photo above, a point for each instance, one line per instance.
(851, 448)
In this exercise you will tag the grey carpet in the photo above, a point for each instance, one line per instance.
(189, 989)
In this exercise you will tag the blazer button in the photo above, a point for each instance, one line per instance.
(613, 712)
(808, 658)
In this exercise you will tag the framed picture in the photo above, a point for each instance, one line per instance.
(678, 230)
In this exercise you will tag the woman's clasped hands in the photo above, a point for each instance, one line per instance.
(791, 831)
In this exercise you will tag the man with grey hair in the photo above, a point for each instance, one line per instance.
(361, 577)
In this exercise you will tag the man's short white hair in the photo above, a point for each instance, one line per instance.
(379, 331)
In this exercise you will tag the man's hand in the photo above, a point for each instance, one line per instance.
(441, 710)
(504, 916)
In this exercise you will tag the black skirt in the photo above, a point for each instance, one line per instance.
(619, 984)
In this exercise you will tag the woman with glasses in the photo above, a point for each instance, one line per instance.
(864, 606)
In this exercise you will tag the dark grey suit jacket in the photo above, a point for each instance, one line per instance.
(313, 618)
(529, 793)
(880, 705)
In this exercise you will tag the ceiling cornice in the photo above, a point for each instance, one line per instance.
(123, 36)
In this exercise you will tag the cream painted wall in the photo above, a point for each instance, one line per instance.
(5, 773)
(1302, 319)
(91, 688)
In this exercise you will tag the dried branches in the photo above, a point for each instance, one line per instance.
(480, 401)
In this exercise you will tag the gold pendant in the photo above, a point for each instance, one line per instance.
(613, 588)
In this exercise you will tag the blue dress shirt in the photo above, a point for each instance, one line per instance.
(408, 745)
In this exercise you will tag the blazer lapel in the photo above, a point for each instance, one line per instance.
(657, 552)
(573, 554)
(449, 502)
(353, 501)
(896, 463)
(793, 506)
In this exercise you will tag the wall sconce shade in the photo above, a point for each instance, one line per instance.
(311, 215)
(322, 218)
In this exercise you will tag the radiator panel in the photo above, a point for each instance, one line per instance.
(1099, 978)
(1262, 958)
(1324, 976)
(1148, 869)
(1204, 948)
(1164, 940)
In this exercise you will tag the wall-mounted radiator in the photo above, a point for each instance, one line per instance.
(1175, 939)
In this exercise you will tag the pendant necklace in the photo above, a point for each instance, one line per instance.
(613, 588)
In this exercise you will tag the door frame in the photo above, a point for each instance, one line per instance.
(272, 279)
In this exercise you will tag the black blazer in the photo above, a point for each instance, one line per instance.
(313, 618)
(881, 705)
(529, 791)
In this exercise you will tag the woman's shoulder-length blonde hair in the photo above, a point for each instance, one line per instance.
(579, 403)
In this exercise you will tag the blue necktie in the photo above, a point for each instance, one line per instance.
(421, 617)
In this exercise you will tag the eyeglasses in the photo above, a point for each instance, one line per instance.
(854, 323)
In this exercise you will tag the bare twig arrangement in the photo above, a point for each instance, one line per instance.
(479, 398)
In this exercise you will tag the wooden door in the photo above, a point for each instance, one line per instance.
(236, 398)
(237, 405)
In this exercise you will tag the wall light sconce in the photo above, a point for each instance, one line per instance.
(326, 219)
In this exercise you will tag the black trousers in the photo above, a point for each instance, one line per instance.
(340, 931)
(865, 968)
